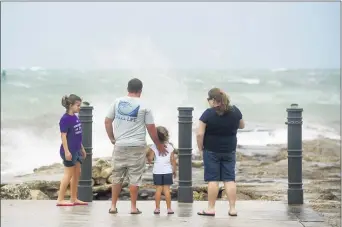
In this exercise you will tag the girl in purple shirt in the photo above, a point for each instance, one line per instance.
(71, 151)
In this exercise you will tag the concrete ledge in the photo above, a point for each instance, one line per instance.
(250, 214)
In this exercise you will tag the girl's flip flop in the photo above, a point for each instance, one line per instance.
(170, 212)
(81, 204)
(65, 204)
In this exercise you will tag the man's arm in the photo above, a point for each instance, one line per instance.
(152, 131)
(109, 123)
(109, 128)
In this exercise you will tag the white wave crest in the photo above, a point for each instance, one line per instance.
(245, 81)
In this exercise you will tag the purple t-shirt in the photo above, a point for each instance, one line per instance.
(71, 125)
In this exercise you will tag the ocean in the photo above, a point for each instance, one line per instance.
(31, 105)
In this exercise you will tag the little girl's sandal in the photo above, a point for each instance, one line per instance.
(156, 211)
(169, 211)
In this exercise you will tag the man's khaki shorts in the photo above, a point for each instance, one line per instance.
(130, 162)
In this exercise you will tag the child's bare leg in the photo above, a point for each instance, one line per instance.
(74, 184)
(68, 172)
(167, 193)
(157, 196)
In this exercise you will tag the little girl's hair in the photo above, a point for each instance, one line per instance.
(163, 134)
(70, 100)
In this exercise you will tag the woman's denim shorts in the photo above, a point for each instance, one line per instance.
(219, 166)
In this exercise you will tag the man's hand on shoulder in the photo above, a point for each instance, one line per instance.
(162, 149)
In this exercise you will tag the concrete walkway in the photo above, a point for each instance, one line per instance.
(17, 213)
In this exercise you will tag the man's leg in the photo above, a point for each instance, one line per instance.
(119, 171)
(116, 189)
(133, 191)
(135, 169)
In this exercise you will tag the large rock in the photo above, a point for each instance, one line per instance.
(49, 188)
(15, 191)
(106, 172)
(198, 196)
(197, 164)
(48, 168)
(124, 192)
(102, 164)
(96, 172)
(38, 195)
(100, 181)
(110, 179)
(102, 188)
(43, 185)
(67, 194)
(100, 168)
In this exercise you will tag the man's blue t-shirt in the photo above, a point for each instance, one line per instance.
(220, 132)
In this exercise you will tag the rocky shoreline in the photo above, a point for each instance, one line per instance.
(261, 175)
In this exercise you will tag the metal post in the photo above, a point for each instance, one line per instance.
(294, 149)
(185, 194)
(85, 189)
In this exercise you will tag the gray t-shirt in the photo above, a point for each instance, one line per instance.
(130, 116)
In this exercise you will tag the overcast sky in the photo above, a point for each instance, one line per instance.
(170, 35)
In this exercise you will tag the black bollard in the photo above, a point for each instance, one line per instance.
(294, 149)
(85, 188)
(185, 194)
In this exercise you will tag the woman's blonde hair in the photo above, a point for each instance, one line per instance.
(221, 99)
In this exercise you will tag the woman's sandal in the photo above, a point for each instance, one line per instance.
(204, 213)
(233, 215)
(136, 212)
(113, 211)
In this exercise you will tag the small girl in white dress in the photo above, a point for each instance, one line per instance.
(164, 169)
